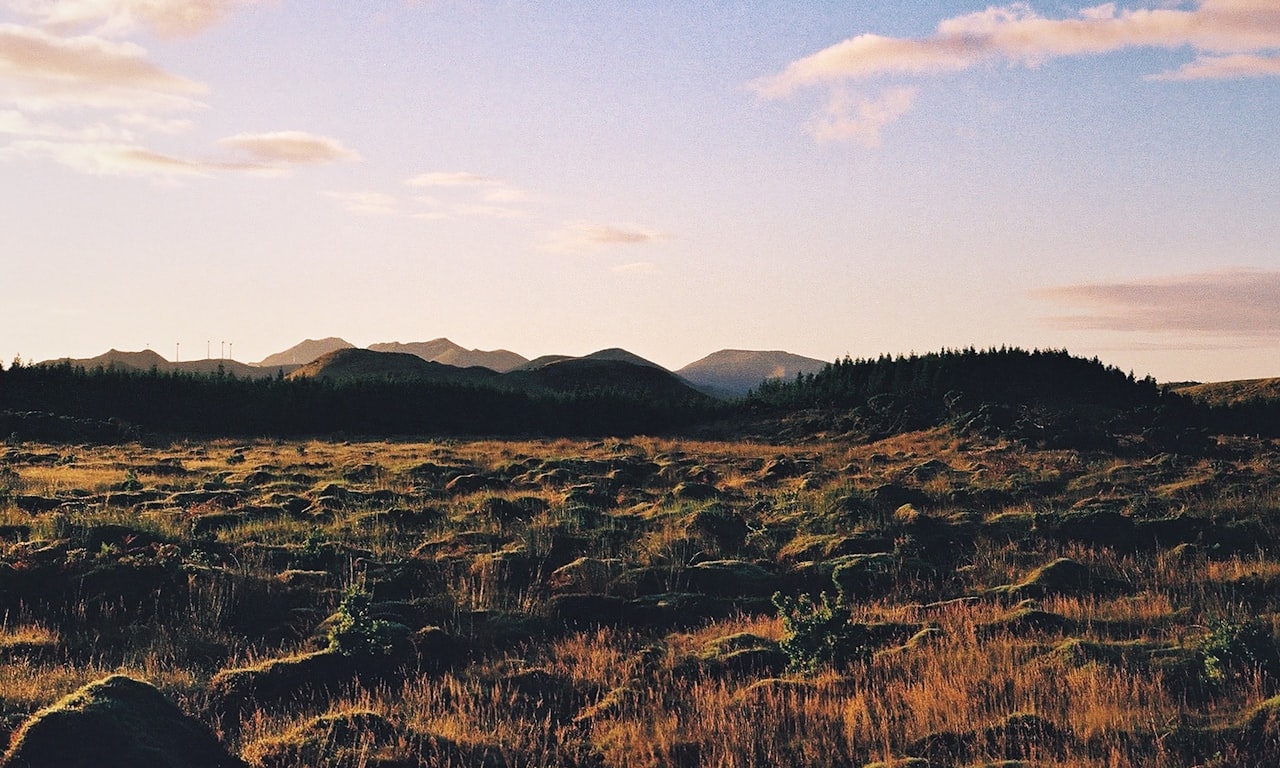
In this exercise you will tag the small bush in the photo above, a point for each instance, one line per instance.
(819, 633)
(355, 632)
(1233, 647)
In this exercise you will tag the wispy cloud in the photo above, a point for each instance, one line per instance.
(1224, 68)
(367, 203)
(581, 235)
(486, 188)
(1234, 38)
(463, 193)
(258, 153)
(1239, 304)
(288, 148)
(451, 179)
(15, 123)
(54, 74)
(861, 120)
(105, 159)
(169, 18)
(40, 71)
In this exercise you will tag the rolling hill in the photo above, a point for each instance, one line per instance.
(583, 375)
(613, 373)
(304, 352)
(735, 372)
(353, 363)
(148, 359)
(1232, 392)
(444, 351)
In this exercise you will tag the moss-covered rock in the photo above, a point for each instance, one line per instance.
(744, 652)
(1062, 576)
(1019, 736)
(292, 678)
(731, 578)
(117, 722)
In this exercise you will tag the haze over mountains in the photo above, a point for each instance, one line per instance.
(727, 373)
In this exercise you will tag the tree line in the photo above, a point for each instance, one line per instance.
(1046, 396)
(212, 405)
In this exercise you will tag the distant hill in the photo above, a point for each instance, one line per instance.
(734, 372)
(612, 354)
(444, 351)
(304, 352)
(114, 358)
(1231, 392)
(353, 364)
(229, 367)
(579, 375)
(148, 359)
(543, 361)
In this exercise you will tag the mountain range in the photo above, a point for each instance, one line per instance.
(727, 373)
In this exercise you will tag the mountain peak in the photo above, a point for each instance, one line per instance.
(305, 351)
(444, 351)
(734, 372)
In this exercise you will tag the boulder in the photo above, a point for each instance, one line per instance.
(117, 722)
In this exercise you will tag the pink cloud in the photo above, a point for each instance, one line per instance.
(1016, 34)
(1244, 304)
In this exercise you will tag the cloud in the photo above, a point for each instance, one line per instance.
(1242, 304)
(864, 120)
(368, 203)
(1232, 38)
(105, 159)
(580, 236)
(1224, 68)
(40, 71)
(286, 148)
(55, 69)
(463, 193)
(15, 123)
(1016, 34)
(487, 188)
(154, 124)
(263, 153)
(168, 18)
(451, 179)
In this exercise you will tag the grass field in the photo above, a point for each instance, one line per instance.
(612, 603)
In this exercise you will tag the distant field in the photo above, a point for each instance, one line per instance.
(610, 603)
(1232, 392)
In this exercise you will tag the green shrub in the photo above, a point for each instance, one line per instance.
(1232, 647)
(819, 633)
(354, 631)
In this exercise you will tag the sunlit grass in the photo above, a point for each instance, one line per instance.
(1118, 673)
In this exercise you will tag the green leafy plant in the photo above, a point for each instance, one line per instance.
(130, 482)
(819, 633)
(355, 632)
(1232, 647)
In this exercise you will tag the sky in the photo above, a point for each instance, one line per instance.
(229, 177)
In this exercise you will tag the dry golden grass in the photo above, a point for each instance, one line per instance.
(1118, 674)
